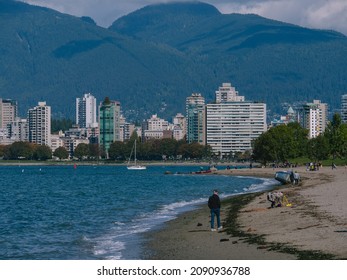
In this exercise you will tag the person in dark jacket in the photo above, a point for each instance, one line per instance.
(214, 205)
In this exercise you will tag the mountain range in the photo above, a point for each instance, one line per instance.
(153, 58)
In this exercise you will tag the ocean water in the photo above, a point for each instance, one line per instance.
(98, 212)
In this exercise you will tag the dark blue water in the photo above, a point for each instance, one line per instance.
(97, 212)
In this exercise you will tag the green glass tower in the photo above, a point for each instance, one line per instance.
(195, 113)
(109, 122)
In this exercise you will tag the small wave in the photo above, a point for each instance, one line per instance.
(174, 207)
(264, 185)
(124, 237)
(108, 248)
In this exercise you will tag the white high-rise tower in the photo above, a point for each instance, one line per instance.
(86, 111)
(233, 123)
(315, 117)
(39, 124)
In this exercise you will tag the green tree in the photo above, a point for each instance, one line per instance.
(280, 143)
(192, 151)
(2, 150)
(145, 151)
(300, 138)
(81, 151)
(149, 150)
(196, 150)
(263, 149)
(184, 150)
(344, 136)
(336, 135)
(167, 147)
(118, 151)
(95, 151)
(318, 148)
(20, 150)
(207, 152)
(61, 153)
(42, 152)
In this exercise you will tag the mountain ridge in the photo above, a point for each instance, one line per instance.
(286, 61)
(151, 68)
(57, 57)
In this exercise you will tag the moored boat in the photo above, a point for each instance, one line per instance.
(135, 166)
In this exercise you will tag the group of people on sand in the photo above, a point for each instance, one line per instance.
(276, 199)
(313, 166)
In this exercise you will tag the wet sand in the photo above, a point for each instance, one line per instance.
(311, 225)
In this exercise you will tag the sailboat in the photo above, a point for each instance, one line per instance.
(134, 166)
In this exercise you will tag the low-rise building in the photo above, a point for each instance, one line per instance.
(154, 128)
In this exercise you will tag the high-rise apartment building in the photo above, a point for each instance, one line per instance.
(39, 124)
(227, 93)
(314, 117)
(109, 123)
(232, 126)
(232, 123)
(195, 118)
(344, 108)
(86, 111)
(8, 112)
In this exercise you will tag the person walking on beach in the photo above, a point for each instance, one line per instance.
(296, 178)
(214, 205)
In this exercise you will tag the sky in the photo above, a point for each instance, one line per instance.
(320, 14)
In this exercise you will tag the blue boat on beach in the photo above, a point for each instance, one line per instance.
(283, 176)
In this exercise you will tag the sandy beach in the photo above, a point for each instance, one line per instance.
(311, 225)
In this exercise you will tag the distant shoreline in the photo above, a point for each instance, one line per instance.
(102, 163)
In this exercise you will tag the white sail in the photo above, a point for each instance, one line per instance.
(134, 166)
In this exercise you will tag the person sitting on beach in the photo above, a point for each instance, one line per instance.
(275, 198)
(214, 205)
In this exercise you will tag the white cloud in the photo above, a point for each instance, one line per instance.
(323, 14)
(320, 14)
(331, 15)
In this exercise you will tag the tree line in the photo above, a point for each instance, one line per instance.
(156, 149)
(282, 143)
(279, 144)
(159, 149)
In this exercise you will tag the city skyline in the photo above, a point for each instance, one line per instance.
(227, 124)
(223, 86)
